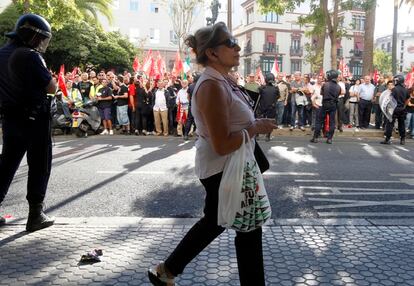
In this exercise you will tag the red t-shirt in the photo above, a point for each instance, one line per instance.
(131, 93)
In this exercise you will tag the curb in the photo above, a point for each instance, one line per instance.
(154, 222)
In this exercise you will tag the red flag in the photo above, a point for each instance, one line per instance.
(375, 76)
(178, 65)
(136, 66)
(177, 118)
(184, 118)
(259, 75)
(74, 72)
(160, 65)
(147, 64)
(275, 68)
(409, 79)
(61, 80)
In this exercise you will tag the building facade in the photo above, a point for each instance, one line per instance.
(148, 25)
(405, 49)
(266, 37)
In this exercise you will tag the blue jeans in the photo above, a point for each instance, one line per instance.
(299, 109)
(409, 123)
(280, 107)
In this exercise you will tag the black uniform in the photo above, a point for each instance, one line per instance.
(400, 93)
(330, 92)
(26, 119)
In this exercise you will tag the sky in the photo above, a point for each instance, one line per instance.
(385, 17)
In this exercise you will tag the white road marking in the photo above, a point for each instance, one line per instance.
(370, 150)
(359, 203)
(270, 173)
(346, 181)
(402, 175)
(133, 172)
(366, 214)
(326, 191)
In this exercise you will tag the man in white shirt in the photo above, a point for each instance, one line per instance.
(366, 94)
(341, 104)
(316, 99)
(160, 110)
(182, 103)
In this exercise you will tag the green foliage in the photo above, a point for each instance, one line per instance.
(81, 44)
(278, 6)
(382, 61)
(7, 21)
(314, 57)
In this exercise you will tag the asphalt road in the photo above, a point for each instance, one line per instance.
(153, 177)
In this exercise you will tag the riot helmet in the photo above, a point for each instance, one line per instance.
(34, 31)
(270, 78)
(332, 75)
(398, 79)
(196, 75)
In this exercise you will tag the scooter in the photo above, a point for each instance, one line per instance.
(61, 117)
(86, 118)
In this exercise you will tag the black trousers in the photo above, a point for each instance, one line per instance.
(320, 120)
(378, 115)
(364, 112)
(389, 126)
(31, 136)
(248, 245)
(341, 113)
(138, 119)
(189, 123)
(172, 122)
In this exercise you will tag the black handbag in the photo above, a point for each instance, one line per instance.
(261, 159)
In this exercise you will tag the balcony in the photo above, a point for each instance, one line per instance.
(357, 53)
(247, 49)
(296, 52)
(271, 48)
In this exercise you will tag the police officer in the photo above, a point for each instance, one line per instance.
(330, 92)
(24, 84)
(268, 96)
(400, 94)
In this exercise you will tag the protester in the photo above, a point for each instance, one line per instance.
(122, 99)
(282, 101)
(161, 97)
(131, 103)
(409, 122)
(25, 112)
(182, 102)
(353, 103)
(104, 97)
(171, 96)
(190, 125)
(74, 98)
(85, 87)
(221, 112)
(379, 89)
(252, 87)
(341, 104)
(298, 101)
(147, 108)
(366, 94)
(316, 100)
(307, 110)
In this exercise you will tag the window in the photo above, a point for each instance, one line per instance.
(247, 66)
(154, 8)
(358, 22)
(133, 35)
(296, 44)
(356, 68)
(250, 16)
(388, 47)
(154, 36)
(271, 17)
(267, 64)
(133, 5)
(173, 37)
(115, 4)
(402, 43)
(295, 65)
(383, 46)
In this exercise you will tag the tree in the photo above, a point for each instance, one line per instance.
(368, 56)
(90, 8)
(382, 61)
(7, 21)
(182, 13)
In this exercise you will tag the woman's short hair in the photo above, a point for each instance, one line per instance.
(205, 38)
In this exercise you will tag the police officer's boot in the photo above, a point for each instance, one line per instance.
(329, 141)
(386, 141)
(402, 141)
(37, 218)
(314, 140)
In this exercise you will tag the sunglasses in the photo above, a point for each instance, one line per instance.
(229, 43)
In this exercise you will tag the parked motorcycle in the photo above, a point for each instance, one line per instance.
(61, 117)
(86, 118)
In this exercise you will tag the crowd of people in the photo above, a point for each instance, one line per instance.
(142, 106)
(133, 103)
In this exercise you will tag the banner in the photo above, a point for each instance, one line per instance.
(275, 68)
(136, 66)
(178, 65)
(61, 81)
(387, 104)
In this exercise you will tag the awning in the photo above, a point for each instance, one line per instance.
(271, 39)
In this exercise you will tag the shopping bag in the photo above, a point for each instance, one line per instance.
(243, 202)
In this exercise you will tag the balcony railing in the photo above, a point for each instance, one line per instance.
(271, 48)
(247, 49)
(357, 53)
(296, 52)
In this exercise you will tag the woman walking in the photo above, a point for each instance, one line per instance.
(221, 112)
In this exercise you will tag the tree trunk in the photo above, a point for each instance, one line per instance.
(320, 45)
(368, 56)
(394, 38)
(332, 24)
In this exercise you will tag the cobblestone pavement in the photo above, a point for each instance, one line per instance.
(315, 254)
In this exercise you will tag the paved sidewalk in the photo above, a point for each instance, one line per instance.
(297, 252)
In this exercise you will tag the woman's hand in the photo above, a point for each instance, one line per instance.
(262, 126)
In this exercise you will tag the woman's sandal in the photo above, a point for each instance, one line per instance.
(159, 277)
